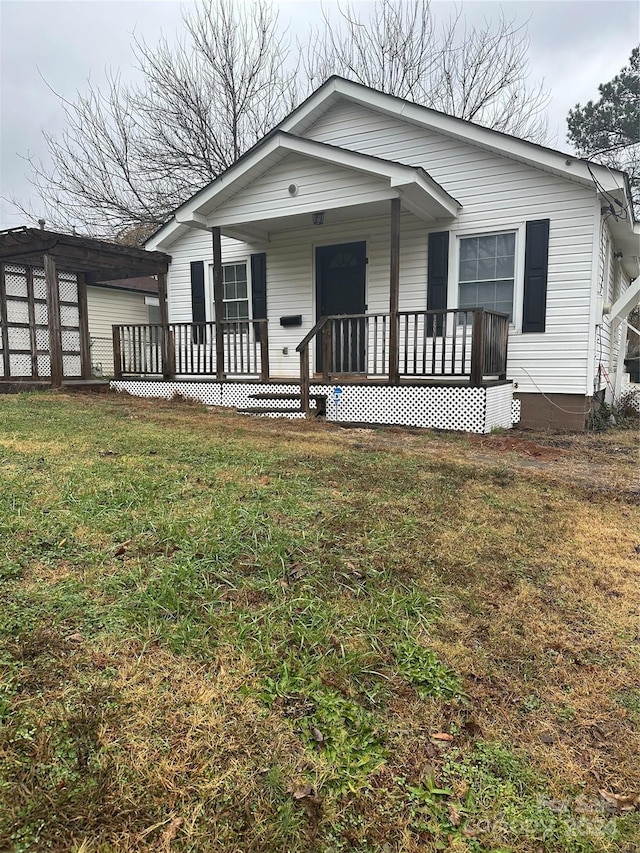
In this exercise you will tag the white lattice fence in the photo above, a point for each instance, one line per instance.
(27, 323)
(452, 408)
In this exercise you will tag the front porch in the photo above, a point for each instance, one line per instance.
(438, 369)
(327, 269)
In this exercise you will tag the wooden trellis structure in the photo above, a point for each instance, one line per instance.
(44, 275)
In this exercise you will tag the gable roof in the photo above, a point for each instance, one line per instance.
(420, 193)
(336, 88)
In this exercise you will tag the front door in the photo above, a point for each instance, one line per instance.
(340, 289)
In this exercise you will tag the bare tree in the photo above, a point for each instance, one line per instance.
(479, 74)
(132, 153)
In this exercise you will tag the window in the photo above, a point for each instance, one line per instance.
(236, 297)
(487, 272)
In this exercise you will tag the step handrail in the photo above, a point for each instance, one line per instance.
(303, 349)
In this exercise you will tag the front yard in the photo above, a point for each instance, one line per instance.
(227, 634)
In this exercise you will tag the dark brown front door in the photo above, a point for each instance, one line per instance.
(340, 289)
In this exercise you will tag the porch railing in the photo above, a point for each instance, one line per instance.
(461, 344)
(192, 349)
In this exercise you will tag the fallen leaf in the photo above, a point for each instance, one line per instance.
(621, 802)
(299, 792)
(61, 543)
(454, 815)
(75, 638)
(317, 736)
(171, 831)
(441, 736)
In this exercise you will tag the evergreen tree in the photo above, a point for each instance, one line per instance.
(608, 130)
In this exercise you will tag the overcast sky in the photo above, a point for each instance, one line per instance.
(56, 44)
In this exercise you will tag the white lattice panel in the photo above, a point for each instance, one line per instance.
(17, 312)
(71, 341)
(498, 412)
(39, 286)
(208, 393)
(238, 394)
(71, 365)
(44, 365)
(42, 339)
(41, 314)
(516, 406)
(19, 339)
(67, 287)
(20, 365)
(451, 408)
(15, 281)
(435, 408)
(69, 315)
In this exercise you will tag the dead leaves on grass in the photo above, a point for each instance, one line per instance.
(620, 802)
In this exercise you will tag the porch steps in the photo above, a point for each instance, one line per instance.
(319, 399)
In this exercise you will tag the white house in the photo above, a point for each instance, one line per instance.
(404, 219)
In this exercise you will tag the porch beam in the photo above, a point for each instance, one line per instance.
(218, 300)
(394, 293)
(53, 310)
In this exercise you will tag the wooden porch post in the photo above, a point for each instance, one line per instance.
(394, 292)
(477, 347)
(3, 326)
(53, 313)
(85, 340)
(218, 300)
(162, 298)
(168, 365)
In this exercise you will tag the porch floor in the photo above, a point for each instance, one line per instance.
(18, 386)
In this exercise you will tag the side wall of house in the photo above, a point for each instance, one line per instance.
(107, 307)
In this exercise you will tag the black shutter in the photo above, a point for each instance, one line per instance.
(536, 265)
(437, 274)
(198, 309)
(259, 289)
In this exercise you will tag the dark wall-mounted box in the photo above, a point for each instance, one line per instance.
(291, 320)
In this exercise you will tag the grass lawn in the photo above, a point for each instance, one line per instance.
(220, 633)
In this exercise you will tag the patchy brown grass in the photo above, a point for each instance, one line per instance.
(189, 594)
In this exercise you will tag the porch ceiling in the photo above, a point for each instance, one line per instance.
(253, 197)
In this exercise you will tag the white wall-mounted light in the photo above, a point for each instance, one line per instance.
(318, 218)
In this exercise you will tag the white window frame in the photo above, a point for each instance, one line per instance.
(210, 306)
(519, 230)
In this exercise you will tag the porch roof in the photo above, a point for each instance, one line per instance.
(99, 260)
(221, 203)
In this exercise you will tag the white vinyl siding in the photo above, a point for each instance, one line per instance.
(499, 193)
(318, 184)
(107, 307)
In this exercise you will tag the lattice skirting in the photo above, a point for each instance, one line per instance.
(465, 409)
